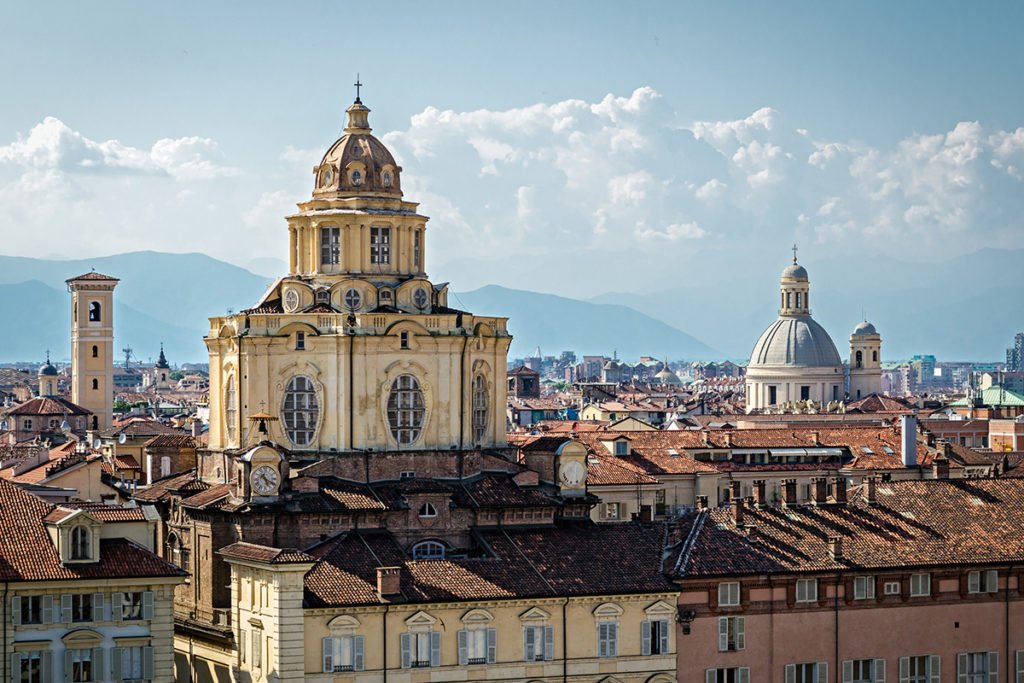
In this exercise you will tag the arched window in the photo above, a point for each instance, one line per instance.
(859, 359)
(386, 178)
(301, 411)
(231, 408)
(405, 409)
(95, 310)
(173, 553)
(95, 351)
(789, 299)
(357, 178)
(874, 356)
(95, 384)
(428, 510)
(480, 401)
(80, 543)
(428, 550)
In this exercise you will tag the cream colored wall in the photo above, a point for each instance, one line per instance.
(86, 480)
(84, 335)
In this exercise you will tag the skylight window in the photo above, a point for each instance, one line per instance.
(867, 450)
(888, 450)
(673, 453)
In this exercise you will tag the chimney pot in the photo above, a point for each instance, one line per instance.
(737, 511)
(735, 490)
(940, 467)
(819, 488)
(789, 492)
(871, 486)
(760, 488)
(835, 547)
(839, 489)
(389, 581)
(702, 502)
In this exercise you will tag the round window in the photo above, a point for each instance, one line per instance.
(291, 300)
(420, 298)
(353, 299)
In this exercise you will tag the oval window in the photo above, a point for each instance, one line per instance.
(353, 299)
(357, 178)
(300, 410)
(291, 301)
(420, 298)
(386, 178)
(406, 409)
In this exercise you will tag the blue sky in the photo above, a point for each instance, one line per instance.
(193, 126)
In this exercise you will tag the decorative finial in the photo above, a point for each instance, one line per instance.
(794, 254)
(47, 356)
(358, 86)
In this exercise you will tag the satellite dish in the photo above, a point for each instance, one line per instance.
(122, 438)
(97, 444)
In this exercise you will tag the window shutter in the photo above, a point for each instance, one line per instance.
(65, 608)
(991, 581)
(663, 638)
(46, 666)
(933, 669)
(613, 630)
(492, 645)
(791, 673)
(463, 648)
(847, 671)
(116, 612)
(406, 647)
(147, 663)
(974, 582)
(327, 646)
(15, 667)
(743, 674)
(870, 581)
(147, 605)
(358, 659)
(435, 648)
(97, 664)
(821, 672)
(600, 640)
(904, 669)
(97, 607)
(116, 654)
(878, 670)
(961, 667)
(645, 637)
(741, 639)
(46, 614)
(67, 661)
(528, 649)
(549, 642)
(723, 634)
(710, 676)
(16, 610)
(993, 667)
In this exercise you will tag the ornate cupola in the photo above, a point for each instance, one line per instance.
(795, 290)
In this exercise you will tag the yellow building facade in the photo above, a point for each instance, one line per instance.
(92, 346)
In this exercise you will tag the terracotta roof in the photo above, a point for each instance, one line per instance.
(127, 462)
(28, 554)
(351, 496)
(262, 553)
(93, 275)
(107, 513)
(207, 498)
(142, 427)
(169, 440)
(184, 484)
(47, 405)
(876, 403)
(500, 491)
(927, 523)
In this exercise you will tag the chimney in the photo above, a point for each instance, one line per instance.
(789, 492)
(735, 490)
(197, 428)
(835, 547)
(839, 489)
(737, 511)
(908, 440)
(819, 488)
(727, 437)
(930, 439)
(753, 535)
(704, 439)
(940, 467)
(760, 490)
(871, 488)
(947, 448)
(389, 581)
(702, 502)
(814, 438)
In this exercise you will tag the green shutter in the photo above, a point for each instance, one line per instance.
(147, 605)
(147, 663)
(16, 610)
(116, 656)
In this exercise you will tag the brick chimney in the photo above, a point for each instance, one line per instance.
(871, 490)
(814, 438)
(835, 547)
(819, 488)
(737, 511)
(760, 493)
(727, 438)
(197, 428)
(789, 492)
(947, 448)
(389, 581)
(701, 502)
(839, 489)
(940, 467)
(735, 490)
(704, 438)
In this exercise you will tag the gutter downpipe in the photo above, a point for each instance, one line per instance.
(835, 602)
(565, 644)
(1006, 622)
(351, 399)
(384, 671)
(7, 617)
(771, 624)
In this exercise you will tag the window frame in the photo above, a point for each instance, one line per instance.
(300, 389)
(353, 655)
(607, 638)
(542, 634)
(481, 408)
(426, 550)
(406, 409)
(805, 598)
(916, 589)
(981, 581)
(330, 246)
(380, 245)
(732, 633)
(864, 587)
(729, 594)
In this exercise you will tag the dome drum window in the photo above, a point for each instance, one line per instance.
(420, 298)
(353, 299)
(406, 410)
(292, 299)
(300, 411)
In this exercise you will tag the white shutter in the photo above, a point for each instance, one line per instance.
(723, 634)
(435, 648)
(744, 674)
(711, 676)
(327, 648)
(974, 582)
(933, 670)
(492, 646)
(791, 673)
(847, 671)
(549, 642)
(993, 667)
(15, 667)
(46, 614)
(463, 647)
(147, 605)
(116, 654)
(406, 647)
(97, 607)
(741, 638)
(67, 661)
(528, 648)
(1020, 666)
(47, 666)
(663, 636)
(16, 610)
(991, 581)
(116, 611)
(878, 670)
(904, 669)
(821, 672)
(358, 658)
(97, 664)
(645, 637)
(147, 663)
(65, 608)
(961, 667)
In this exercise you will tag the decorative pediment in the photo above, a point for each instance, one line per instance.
(421, 618)
(535, 614)
(82, 639)
(477, 616)
(660, 609)
(607, 610)
(343, 622)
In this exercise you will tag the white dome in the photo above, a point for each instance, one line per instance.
(863, 329)
(795, 272)
(795, 341)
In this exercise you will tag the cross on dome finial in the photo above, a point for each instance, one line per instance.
(358, 86)
(794, 253)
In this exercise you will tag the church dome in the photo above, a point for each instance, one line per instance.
(47, 370)
(357, 163)
(864, 329)
(795, 342)
(794, 272)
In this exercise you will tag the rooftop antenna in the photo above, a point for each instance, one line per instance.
(358, 86)
(794, 254)
(127, 351)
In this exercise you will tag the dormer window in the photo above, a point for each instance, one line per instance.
(428, 550)
(357, 178)
(81, 543)
(385, 179)
(428, 510)
(622, 448)
(323, 296)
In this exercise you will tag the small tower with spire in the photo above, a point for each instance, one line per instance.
(162, 371)
(47, 378)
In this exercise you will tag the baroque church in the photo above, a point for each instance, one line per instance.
(357, 511)
(795, 361)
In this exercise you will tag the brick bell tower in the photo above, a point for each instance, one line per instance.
(92, 345)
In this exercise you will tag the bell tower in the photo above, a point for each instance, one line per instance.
(865, 361)
(92, 345)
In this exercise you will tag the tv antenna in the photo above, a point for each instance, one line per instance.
(128, 353)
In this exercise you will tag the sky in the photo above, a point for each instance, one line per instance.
(550, 143)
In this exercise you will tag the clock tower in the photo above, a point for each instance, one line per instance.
(92, 346)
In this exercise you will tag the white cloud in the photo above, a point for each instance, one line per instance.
(670, 233)
(711, 190)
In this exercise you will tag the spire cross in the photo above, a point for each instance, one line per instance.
(358, 86)
(794, 253)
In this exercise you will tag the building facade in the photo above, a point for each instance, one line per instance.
(92, 346)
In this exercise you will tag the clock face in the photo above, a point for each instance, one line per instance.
(291, 300)
(572, 473)
(265, 480)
